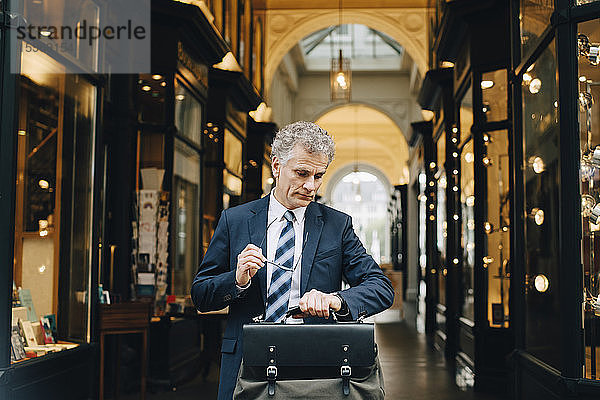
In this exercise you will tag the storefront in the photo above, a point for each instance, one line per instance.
(468, 94)
(521, 161)
(554, 119)
(52, 163)
(108, 190)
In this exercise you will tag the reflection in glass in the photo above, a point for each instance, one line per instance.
(186, 217)
(55, 159)
(535, 18)
(442, 224)
(467, 201)
(494, 96)
(589, 121)
(541, 139)
(188, 113)
(497, 238)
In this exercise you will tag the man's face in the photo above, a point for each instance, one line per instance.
(299, 179)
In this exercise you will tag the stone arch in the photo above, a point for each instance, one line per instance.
(329, 107)
(341, 172)
(368, 136)
(285, 28)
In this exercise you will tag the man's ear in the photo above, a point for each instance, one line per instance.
(275, 167)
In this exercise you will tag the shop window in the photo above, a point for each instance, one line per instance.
(442, 223)
(70, 13)
(232, 174)
(151, 90)
(422, 243)
(186, 218)
(535, 18)
(53, 208)
(541, 194)
(589, 120)
(467, 204)
(188, 114)
(494, 95)
(497, 226)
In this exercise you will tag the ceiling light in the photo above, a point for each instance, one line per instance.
(146, 88)
(180, 97)
(535, 86)
(488, 227)
(538, 215)
(540, 282)
(447, 64)
(487, 84)
(43, 184)
(157, 77)
(469, 157)
(538, 165)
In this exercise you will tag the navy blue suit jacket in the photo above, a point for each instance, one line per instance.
(332, 252)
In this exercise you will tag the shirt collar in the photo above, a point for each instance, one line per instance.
(276, 210)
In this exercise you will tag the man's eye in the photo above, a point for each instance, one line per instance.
(303, 173)
(318, 176)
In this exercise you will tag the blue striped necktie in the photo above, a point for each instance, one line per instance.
(281, 280)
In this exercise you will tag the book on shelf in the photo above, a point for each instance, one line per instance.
(48, 336)
(16, 343)
(27, 301)
(26, 330)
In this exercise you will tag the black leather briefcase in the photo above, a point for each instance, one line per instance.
(332, 361)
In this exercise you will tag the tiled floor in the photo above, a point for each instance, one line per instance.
(412, 371)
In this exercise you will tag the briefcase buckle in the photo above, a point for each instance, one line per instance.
(345, 370)
(271, 372)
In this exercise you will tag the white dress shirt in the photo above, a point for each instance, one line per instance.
(276, 222)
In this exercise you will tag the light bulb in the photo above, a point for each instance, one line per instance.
(540, 282)
(535, 86)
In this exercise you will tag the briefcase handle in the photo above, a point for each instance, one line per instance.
(295, 310)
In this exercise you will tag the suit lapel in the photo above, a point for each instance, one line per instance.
(313, 225)
(257, 227)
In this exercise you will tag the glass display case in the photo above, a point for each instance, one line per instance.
(541, 171)
(588, 39)
(53, 237)
(186, 189)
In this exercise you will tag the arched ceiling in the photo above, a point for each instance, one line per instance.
(365, 135)
(285, 27)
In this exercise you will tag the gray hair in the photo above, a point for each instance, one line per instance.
(311, 136)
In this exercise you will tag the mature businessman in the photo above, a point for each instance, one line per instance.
(285, 250)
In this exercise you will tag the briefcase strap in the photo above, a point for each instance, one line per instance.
(272, 370)
(345, 369)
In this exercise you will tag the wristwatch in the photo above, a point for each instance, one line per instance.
(343, 311)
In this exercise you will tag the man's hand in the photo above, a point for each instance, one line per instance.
(315, 303)
(250, 260)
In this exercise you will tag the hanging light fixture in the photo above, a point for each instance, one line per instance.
(340, 76)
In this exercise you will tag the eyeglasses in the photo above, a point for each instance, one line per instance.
(283, 267)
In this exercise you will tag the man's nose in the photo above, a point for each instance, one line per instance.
(309, 184)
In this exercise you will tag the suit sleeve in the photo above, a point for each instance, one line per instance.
(370, 290)
(214, 286)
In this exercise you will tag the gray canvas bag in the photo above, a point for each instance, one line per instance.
(325, 361)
